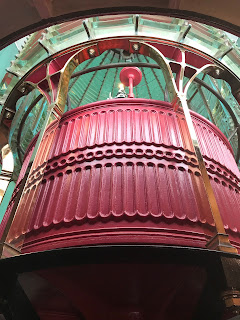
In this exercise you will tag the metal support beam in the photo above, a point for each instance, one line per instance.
(136, 23)
(206, 104)
(86, 29)
(184, 33)
(233, 133)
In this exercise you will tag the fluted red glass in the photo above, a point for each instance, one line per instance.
(124, 171)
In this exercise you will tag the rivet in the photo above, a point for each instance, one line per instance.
(136, 47)
(91, 52)
(8, 115)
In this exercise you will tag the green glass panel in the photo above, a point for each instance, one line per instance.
(162, 27)
(109, 25)
(232, 61)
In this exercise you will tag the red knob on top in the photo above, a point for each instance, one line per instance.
(130, 77)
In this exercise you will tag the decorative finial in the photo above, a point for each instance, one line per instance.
(130, 77)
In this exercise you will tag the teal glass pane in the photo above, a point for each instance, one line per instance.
(232, 61)
(106, 25)
(160, 27)
(206, 39)
(31, 54)
(64, 35)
